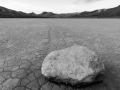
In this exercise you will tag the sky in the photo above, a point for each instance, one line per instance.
(58, 6)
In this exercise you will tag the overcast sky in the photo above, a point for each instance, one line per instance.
(58, 6)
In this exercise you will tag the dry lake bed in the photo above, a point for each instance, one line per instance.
(24, 43)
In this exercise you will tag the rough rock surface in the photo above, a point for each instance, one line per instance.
(75, 64)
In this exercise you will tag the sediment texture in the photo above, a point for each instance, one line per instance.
(24, 44)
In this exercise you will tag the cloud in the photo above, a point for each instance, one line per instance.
(31, 7)
(88, 1)
(85, 1)
(19, 6)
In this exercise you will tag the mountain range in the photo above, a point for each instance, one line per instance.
(101, 13)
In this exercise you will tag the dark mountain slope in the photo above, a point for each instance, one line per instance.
(101, 13)
(4, 12)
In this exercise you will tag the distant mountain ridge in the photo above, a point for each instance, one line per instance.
(101, 13)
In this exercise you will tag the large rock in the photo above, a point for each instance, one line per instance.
(73, 65)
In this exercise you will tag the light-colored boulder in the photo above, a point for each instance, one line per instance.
(75, 64)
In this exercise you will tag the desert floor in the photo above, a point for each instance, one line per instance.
(24, 43)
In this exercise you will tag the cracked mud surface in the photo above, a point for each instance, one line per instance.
(25, 43)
